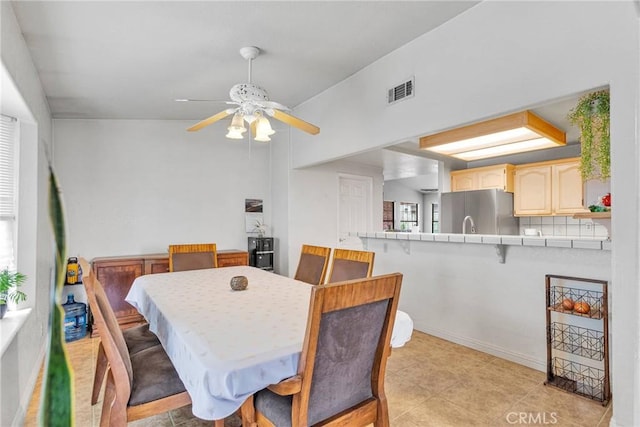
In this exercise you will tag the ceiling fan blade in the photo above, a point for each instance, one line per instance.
(294, 121)
(200, 100)
(206, 122)
(275, 105)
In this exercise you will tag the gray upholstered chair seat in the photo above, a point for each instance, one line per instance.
(154, 376)
(277, 408)
(139, 338)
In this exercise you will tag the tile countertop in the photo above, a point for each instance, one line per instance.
(598, 243)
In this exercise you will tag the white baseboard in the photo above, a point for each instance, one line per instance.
(522, 359)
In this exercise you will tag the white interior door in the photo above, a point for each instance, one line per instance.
(354, 208)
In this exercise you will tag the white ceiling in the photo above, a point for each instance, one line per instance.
(131, 59)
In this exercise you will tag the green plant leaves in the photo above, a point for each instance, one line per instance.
(57, 409)
(591, 115)
(9, 283)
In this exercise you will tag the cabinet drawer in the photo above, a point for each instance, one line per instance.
(232, 258)
(116, 278)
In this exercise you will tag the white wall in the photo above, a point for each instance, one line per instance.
(460, 292)
(280, 201)
(497, 58)
(21, 360)
(136, 186)
(313, 209)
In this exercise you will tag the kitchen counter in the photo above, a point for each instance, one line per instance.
(596, 243)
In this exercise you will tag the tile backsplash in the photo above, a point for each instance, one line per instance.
(563, 226)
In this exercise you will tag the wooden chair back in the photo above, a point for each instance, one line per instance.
(342, 367)
(312, 267)
(348, 264)
(117, 409)
(192, 256)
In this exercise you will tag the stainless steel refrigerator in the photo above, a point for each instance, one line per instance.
(491, 211)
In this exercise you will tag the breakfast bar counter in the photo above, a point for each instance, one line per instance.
(597, 243)
(486, 292)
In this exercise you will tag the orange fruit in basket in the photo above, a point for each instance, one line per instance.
(582, 307)
(567, 304)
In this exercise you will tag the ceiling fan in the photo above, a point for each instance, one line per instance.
(251, 105)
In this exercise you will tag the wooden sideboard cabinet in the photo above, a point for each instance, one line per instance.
(116, 274)
(232, 257)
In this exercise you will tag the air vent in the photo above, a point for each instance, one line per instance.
(402, 91)
(429, 190)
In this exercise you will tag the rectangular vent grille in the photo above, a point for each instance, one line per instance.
(402, 91)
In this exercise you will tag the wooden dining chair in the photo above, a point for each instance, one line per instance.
(192, 256)
(341, 371)
(350, 264)
(312, 267)
(138, 385)
(137, 339)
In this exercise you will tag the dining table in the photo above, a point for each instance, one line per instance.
(228, 344)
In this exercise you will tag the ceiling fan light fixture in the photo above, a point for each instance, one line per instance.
(263, 127)
(515, 133)
(252, 102)
(237, 127)
(262, 138)
(234, 134)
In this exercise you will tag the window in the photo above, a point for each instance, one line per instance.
(8, 190)
(408, 216)
(387, 215)
(435, 218)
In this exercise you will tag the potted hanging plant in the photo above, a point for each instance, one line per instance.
(9, 283)
(591, 115)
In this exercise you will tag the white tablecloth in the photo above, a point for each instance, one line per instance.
(225, 344)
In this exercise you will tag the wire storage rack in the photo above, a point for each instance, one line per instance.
(578, 354)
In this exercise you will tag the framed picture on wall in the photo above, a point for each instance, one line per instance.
(253, 205)
(253, 215)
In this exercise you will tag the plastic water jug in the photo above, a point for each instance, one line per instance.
(75, 319)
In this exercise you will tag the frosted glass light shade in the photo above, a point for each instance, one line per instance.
(237, 127)
(263, 130)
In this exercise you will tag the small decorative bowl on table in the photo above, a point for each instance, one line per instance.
(239, 283)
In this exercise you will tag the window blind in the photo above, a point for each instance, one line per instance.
(8, 135)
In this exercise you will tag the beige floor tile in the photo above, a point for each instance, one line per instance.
(400, 360)
(606, 418)
(429, 382)
(432, 377)
(161, 420)
(567, 408)
(403, 396)
(500, 378)
(438, 412)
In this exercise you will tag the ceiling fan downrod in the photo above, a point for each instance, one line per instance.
(250, 53)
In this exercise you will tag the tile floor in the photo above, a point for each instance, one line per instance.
(430, 382)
